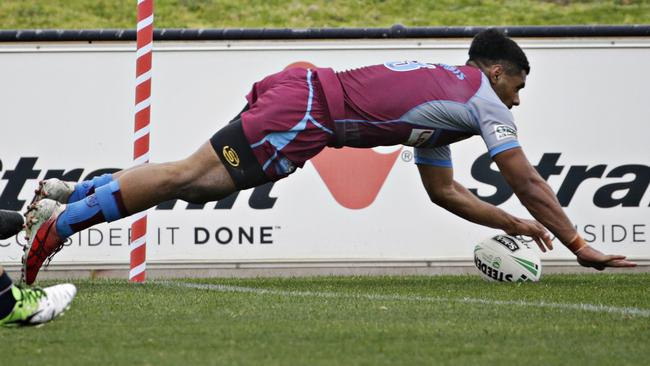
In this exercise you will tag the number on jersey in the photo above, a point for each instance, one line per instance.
(402, 66)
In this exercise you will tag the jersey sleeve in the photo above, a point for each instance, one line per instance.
(495, 121)
(435, 156)
(498, 131)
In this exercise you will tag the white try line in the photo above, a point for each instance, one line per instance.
(464, 300)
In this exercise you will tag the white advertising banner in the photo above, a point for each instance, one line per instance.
(66, 110)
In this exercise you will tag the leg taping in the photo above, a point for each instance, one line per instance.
(104, 205)
(102, 180)
(87, 187)
(110, 201)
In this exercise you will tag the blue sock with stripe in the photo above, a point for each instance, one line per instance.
(105, 205)
(88, 187)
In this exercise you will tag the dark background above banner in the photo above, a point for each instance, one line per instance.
(396, 31)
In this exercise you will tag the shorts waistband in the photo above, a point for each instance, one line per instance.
(332, 90)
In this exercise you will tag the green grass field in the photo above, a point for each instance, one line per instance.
(84, 14)
(599, 319)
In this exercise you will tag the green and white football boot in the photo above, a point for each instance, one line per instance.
(37, 306)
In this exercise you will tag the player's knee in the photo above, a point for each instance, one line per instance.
(211, 185)
(172, 177)
(199, 193)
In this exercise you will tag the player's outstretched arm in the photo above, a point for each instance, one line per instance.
(452, 196)
(540, 200)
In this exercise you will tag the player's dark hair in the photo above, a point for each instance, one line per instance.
(492, 46)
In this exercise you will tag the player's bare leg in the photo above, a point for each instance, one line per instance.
(199, 178)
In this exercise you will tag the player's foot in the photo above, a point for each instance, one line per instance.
(43, 240)
(37, 306)
(54, 189)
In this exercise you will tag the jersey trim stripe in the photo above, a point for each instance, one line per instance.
(504, 147)
(433, 162)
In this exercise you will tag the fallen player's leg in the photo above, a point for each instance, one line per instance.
(32, 306)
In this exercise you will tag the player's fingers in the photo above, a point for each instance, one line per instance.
(621, 263)
(615, 256)
(544, 236)
(540, 243)
(547, 240)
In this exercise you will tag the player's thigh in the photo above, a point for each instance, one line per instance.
(236, 158)
(204, 171)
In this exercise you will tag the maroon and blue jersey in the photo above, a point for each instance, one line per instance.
(295, 113)
(427, 106)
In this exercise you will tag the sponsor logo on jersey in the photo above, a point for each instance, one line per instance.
(419, 137)
(454, 70)
(231, 155)
(507, 242)
(503, 131)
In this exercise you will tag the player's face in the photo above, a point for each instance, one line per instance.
(508, 86)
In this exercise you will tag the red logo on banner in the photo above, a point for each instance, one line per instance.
(353, 176)
(300, 64)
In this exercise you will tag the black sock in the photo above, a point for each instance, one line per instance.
(7, 300)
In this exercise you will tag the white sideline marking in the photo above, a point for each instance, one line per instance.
(465, 300)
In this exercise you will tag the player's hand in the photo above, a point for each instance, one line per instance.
(534, 230)
(590, 257)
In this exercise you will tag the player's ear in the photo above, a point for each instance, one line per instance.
(494, 73)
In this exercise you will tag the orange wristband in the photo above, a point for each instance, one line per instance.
(576, 244)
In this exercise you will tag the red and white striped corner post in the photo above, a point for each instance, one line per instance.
(141, 132)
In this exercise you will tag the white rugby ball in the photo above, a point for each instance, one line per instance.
(505, 258)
